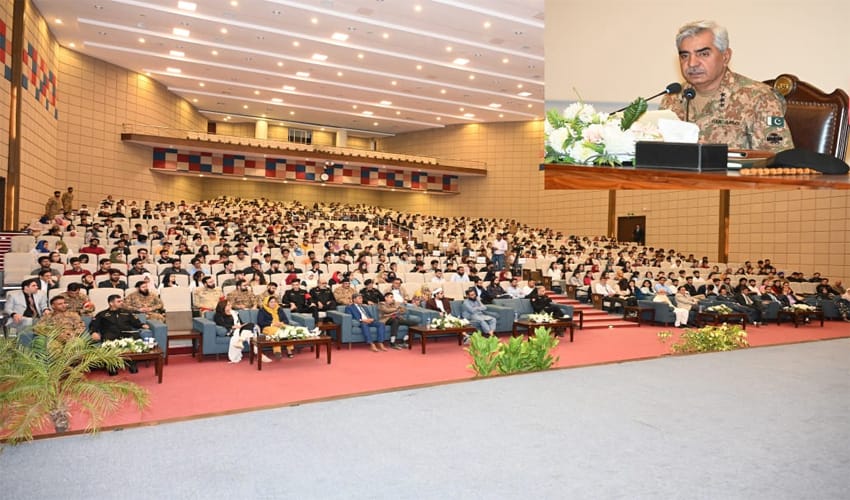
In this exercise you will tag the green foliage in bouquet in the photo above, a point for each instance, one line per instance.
(491, 356)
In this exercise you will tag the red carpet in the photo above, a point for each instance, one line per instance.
(192, 389)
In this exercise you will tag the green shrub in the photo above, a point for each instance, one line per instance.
(516, 355)
(707, 339)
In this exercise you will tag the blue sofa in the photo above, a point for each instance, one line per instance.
(504, 315)
(215, 337)
(158, 330)
(522, 308)
(352, 330)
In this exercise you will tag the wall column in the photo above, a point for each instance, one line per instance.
(261, 130)
(12, 198)
(341, 138)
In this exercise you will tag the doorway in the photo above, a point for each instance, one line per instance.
(626, 228)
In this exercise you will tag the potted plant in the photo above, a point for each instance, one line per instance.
(48, 379)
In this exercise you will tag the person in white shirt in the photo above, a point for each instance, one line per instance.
(460, 275)
(514, 290)
(526, 289)
(500, 247)
(438, 277)
(680, 312)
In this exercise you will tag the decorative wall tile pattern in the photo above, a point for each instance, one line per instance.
(291, 170)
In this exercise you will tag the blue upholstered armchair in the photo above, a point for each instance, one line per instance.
(352, 330)
(215, 337)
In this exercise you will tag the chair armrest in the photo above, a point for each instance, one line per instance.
(303, 319)
(423, 315)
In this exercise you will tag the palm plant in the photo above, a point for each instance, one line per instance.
(51, 377)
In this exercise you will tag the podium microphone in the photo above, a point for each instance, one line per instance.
(673, 88)
(689, 93)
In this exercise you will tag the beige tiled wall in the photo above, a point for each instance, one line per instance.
(38, 130)
(5, 89)
(97, 99)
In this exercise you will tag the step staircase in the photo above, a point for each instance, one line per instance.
(593, 318)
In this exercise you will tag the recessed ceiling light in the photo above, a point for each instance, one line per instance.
(360, 56)
(223, 31)
(385, 35)
(181, 32)
(177, 53)
(375, 123)
(469, 115)
(141, 40)
(461, 61)
(340, 37)
(524, 94)
(314, 20)
(277, 100)
(368, 113)
(495, 105)
(419, 67)
(530, 105)
(288, 88)
(339, 73)
(442, 91)
(449, 48)
(215, 52)
(256, 92)
(472, 77)
(57, 21)
(319, 57)
(234, 3)
(519, 85)
(72, 45)
(417, 8)
(439, 118)
(291, 113)
(173, 70)
(296, 43)
(386, 103)
(187, 5)
(398, 112)
(195, 100)
(202, 84)
(302, 74)
(353, 106)
(505, 60)
(280, 64)
(487, 24)
(501, 115)
(244, 106)
(393, 83)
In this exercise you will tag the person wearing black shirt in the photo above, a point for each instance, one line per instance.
(116, 323)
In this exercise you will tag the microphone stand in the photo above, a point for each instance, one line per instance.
(689, 93)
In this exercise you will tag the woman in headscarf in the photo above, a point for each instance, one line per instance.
(270, 318)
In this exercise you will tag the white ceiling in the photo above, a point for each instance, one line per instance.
(242, 58)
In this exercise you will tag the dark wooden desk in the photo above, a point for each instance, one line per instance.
(635, 313)
(716, 318)
(799, 316)
(528, 326)
(154, 355)
(197, 343)
(262, 343)
(424, 332)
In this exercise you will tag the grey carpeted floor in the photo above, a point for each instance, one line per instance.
(766, 423)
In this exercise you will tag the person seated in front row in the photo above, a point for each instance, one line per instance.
(270, 318)
(361, 313)
(116, 323)
(392, 314)
(473, 311)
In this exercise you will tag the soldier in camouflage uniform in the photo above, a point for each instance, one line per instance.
(242, 297)
(62, 318)
(146, 302)
(77, 300)
(270, 291)
(206, 297)
(344, 293)
(728, 108)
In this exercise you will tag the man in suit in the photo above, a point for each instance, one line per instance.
(361, 313)
(26, 307)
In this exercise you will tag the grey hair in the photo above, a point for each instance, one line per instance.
(721, 36)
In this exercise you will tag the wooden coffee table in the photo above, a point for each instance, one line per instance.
(528, 326)
(262, 343)
(154, 355)
(197, 343)
(332, 327)
(715, 318)
(635, 313)
(424, 332)
(799, 316)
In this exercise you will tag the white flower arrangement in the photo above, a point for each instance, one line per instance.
(720, 309)
(583, 136)
(541, 318)
(131, 344)
(292, 332)
(447, 321)
(799, 307)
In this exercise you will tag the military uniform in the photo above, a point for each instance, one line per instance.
(325, 296)
(343, 295)
(299, 298)
(242, 299)
(76, 303)
(206, 298)
(743, 113)
(372, 295)
(68, 322)
(136, 301)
